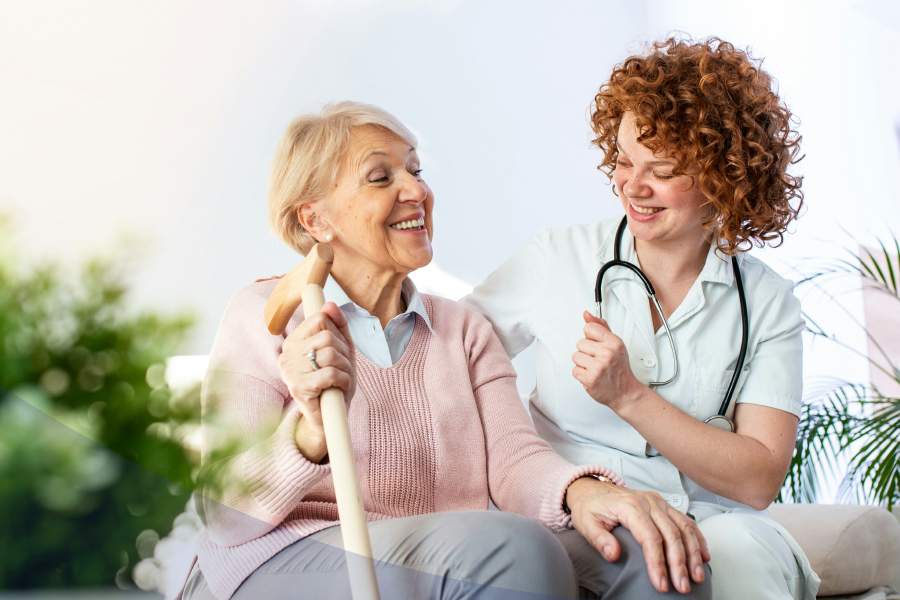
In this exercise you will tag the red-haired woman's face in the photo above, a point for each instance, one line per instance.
(660, 207)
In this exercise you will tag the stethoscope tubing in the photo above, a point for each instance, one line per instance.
(651, 293)
(745, 326)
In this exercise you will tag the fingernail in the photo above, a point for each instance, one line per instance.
(607, 551)
(685, 585)
(698, 573)
(664, 583)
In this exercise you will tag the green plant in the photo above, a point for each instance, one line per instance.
(852, 424)
(90, 451)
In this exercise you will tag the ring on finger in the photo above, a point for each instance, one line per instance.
(311, 355)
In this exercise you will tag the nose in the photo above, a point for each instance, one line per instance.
(413, 190)
(635, 187)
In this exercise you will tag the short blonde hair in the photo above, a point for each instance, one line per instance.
(308, 160)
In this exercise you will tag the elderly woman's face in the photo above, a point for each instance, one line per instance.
(380, 209)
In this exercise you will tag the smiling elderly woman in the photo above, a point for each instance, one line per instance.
(435, 418)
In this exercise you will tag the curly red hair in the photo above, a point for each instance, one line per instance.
(713, 108)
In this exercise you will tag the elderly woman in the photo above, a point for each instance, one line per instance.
(438, 427)
(694, 394)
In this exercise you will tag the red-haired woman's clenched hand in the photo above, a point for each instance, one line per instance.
(602, 367)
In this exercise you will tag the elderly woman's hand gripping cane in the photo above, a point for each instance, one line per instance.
(304, 283)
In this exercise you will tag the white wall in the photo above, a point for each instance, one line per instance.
(161, 122)
(156, 121)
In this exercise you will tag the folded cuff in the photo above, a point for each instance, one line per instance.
(277, 473)
(552, 512)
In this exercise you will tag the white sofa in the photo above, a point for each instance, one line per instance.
(853, 548)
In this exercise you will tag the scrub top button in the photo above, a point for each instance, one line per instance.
(675, 500)
(649, 362)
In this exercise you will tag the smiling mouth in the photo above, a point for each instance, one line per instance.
(645, 211)
(414, 224)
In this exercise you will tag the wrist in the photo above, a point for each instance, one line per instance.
(631, 402)
(582, 487)
(311, 444)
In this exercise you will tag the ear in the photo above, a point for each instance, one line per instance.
(309, 215)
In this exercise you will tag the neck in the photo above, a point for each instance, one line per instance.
(376, 290)
(672, 262)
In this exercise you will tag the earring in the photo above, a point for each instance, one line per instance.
(329, 237)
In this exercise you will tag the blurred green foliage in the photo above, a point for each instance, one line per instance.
(91, 450)
(852, 428)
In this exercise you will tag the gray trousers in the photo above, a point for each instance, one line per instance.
(484, 555)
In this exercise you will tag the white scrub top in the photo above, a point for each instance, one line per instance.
(539, 295)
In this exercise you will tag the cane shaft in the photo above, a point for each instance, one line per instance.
(354, 530)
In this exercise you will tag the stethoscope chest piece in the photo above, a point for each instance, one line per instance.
(721, 422)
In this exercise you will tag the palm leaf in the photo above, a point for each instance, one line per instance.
(876, 465)
(890, 267)
(851, 427)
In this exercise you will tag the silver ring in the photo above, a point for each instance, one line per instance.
(311, 355)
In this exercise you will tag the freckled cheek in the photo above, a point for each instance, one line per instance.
(676, 200)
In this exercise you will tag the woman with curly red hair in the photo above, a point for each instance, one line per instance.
(697, 144)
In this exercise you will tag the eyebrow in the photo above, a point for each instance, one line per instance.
(383, 153)
(664, 162)
(373, 153)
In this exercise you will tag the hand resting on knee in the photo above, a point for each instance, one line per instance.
(673, 546)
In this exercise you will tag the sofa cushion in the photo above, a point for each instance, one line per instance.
(852, 548)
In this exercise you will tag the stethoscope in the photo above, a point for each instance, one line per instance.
(720, 420)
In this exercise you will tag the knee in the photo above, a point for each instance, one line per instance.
(635, 567)
(517, 536)
(749, 557)
(729, 535)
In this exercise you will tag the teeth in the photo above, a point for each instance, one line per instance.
(413, 224)
(645, 211)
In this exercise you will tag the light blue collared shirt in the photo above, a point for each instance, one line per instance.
(384, 347)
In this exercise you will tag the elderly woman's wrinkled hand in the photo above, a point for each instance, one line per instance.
(674, 548)
(326, 333)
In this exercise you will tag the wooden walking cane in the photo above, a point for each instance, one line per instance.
(304, 283)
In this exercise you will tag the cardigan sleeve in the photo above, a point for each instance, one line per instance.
(252, 473)
(525, 475)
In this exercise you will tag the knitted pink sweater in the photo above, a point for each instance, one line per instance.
(442, 430)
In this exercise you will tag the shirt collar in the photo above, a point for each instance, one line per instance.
(414, 304)
(716, 269)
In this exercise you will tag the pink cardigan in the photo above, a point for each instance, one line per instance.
(442, 430)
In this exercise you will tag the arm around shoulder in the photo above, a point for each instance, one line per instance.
(508, 296)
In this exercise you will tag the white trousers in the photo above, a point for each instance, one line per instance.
(750, 559)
